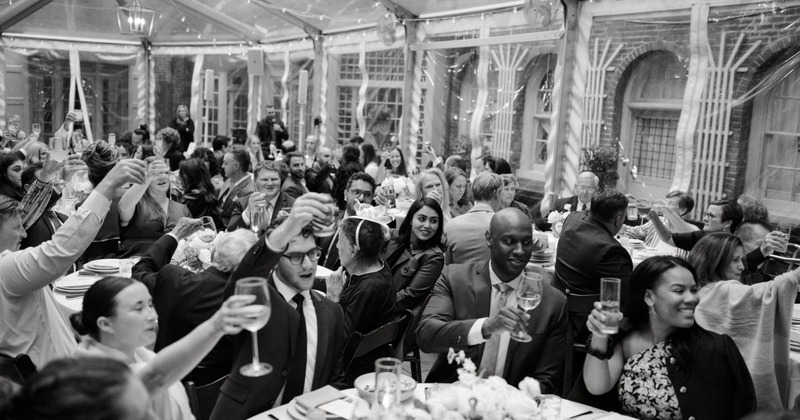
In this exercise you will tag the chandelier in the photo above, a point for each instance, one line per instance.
(135, 19)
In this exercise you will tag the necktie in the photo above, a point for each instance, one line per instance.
(492, 347)
(297, 374)
(267, 219)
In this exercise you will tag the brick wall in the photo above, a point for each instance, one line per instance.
(776, 32)
(173, 86)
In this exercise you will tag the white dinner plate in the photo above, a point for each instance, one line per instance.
(109, 265)
(298, 413)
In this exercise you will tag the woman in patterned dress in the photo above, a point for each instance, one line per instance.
(665, 366)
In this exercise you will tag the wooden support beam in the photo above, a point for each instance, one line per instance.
(494, 40)
(397, 10)
(14, 13)
(566, 52)
(309, 29)
(219, 19)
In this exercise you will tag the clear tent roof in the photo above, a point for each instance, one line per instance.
(219, 21)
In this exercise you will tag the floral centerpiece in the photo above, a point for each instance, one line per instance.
(473, 397)
(193, 253)
(403, 186)
(556, 219)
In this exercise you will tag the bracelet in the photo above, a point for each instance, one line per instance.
(596, 353)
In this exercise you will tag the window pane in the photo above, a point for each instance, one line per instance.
(781, 163)
(662, 77)
(654, 143)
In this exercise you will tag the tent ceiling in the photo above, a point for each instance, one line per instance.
(223, 21)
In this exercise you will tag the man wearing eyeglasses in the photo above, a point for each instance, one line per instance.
(587, 185)
(360, 189)
(304, 336)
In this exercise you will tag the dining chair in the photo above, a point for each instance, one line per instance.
(202, 399)
(17, 369)
(390, 334)
(577, 305)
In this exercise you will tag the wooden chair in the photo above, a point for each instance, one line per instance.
(17, 369)
(390, 334)
(576, 306)
(202, 399)
(411, 352)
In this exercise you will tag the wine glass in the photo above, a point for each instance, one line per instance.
(258, 316)
(529, 295)
(209, 231)
(255, 223)
(36, 128)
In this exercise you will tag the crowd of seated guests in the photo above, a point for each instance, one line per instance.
(454, 259)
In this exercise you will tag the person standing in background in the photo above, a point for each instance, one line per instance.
(271, 130)
(185, 127)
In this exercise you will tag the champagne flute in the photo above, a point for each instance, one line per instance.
(258, 316)
(209, 231)
(529, 295)
(255, 222)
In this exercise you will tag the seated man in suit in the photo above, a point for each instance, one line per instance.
(587, 185)
(238, 183)
(267, 198)
(360, 189)
(588, 250)
(184, 300)
(466, 233)
(304, 337)
(295, 184)
(468, 310)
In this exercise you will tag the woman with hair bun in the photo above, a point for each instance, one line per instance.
(118, 321)
(369, 299)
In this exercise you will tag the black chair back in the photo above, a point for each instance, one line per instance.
(390, 334)
(202, 399)
(576, 306)
(17, 369)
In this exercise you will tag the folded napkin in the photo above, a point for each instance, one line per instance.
(316, 398)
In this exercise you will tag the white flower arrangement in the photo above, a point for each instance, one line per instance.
(403, 186)
(194, 254)
(490, 398)
(556, 219)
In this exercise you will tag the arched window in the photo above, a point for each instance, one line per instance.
(538, 111)
(773, 166)
(652, 108)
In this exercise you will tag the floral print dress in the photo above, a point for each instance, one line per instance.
(645, 391)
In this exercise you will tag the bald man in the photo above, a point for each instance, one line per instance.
(467, 311)
(588, 183)
(319, 177)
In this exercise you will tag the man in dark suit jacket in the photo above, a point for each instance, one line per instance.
(319, 176)
(586, 186)
(268, 197)
(294, 185)
(271, 130)
(184, 300)
(286, 342)
(588, 250)
(236, 164)
(466, 311)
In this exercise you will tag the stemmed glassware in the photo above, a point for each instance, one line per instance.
(258, 313)
(209, 231)
(529, 295)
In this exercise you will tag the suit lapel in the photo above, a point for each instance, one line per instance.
(482, 287)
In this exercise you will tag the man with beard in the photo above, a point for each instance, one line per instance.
(473, 308)
(271, 130)
(294, 186)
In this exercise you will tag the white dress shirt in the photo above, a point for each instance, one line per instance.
(31, 320)
(311, 332)
(476, 337)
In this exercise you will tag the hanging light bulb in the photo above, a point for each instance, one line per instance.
(135, 19)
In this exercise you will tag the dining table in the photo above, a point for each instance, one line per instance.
(569, 409)
(69, 289)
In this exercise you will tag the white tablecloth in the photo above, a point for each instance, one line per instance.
(74, 304)
(568, 408)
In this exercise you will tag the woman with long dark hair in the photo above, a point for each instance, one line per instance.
(415, 255)
(393, 161)
(665, 366)
(758, 318)
(370, 160)
(11, 166)
(198, 191)
(146, 212)
(349, 166)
